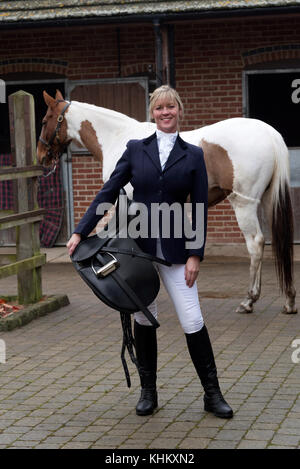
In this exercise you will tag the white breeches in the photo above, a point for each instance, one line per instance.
(185, 299)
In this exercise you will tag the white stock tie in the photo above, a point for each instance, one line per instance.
(165, 143)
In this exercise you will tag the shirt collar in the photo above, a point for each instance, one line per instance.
(166, 136)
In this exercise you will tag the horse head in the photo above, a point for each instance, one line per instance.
(54, 137)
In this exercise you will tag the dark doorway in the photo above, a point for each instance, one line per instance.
(51, 194)
(274, 97)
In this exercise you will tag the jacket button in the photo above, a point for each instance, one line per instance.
(159, 192)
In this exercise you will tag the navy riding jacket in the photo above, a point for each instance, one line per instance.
(184, 174)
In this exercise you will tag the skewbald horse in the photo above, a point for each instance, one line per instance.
(247, 161)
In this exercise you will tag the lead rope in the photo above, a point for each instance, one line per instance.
(128, 343)
(51, 171)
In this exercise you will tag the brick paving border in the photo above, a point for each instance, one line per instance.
(33, 311)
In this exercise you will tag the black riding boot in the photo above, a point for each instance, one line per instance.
(146, 354)
(203, 359)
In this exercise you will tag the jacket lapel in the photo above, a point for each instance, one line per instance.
(151, 148)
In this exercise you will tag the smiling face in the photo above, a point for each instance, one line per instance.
(166, 114)
(166, 108)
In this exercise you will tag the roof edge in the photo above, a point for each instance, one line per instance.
(149, 18)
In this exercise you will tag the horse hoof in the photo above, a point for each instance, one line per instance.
(289, 310)
(242, 309)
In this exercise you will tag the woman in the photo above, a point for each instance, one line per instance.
(164, 169)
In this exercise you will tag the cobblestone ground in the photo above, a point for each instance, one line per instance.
(63, 385)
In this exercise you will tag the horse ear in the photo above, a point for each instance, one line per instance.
(48, 99)
(59, 95)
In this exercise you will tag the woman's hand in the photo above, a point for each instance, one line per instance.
(72, 243)
(192, 268)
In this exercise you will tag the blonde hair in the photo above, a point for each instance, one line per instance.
(164, 92)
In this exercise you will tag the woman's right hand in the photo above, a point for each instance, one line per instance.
(72, 243)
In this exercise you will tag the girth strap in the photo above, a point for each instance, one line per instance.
(129, 343)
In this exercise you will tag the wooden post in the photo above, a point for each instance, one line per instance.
(23, 144)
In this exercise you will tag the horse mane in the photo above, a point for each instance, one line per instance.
(105, 112)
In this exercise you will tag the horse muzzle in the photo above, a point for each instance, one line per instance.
(44, 157)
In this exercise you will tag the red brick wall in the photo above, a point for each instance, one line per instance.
(78, 52)
(87, 180)
(209, 57)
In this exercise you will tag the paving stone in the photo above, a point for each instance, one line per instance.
(56, 440)
(67, 431)
(48, 446)
(164, 443)
(230, 435)
(222, 444)
(194, 443)
(86, 436)
(28, 421)
(289, 440)
(203, 432)
(252, 444)
(7, 438)
(281, 447)
(73, 445)
(32, 435)
(259, 434)
(21, 444)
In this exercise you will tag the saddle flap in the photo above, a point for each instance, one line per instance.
(87, 248)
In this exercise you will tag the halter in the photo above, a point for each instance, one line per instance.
(57, 129)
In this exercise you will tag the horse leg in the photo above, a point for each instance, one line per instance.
(255, 246)
(246, 214)
(289, 307)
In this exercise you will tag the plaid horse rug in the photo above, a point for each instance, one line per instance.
(50, 197)
(6, 187)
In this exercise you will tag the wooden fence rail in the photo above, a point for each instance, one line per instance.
(28, 259)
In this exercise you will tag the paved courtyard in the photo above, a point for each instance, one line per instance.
(63, 384)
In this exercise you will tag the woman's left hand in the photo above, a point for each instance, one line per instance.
(192, 268)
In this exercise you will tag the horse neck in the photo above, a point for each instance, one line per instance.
(107, 125)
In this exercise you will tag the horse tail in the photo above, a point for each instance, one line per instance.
(282, 223)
